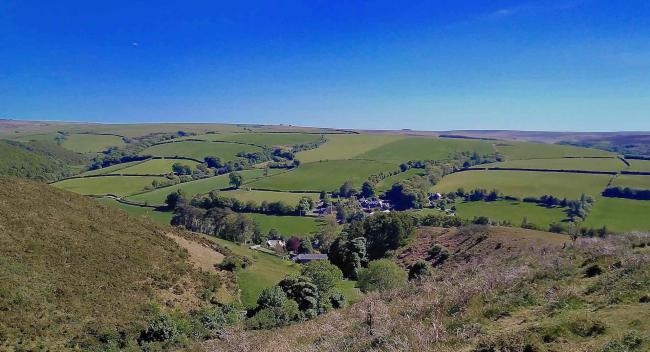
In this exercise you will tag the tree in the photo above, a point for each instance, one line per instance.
(305, 204)
(384, 232)
(349, 210)
(350, 256)
(305, 246)
(367, 190)
(323, 274)
(380, 275)
(301, 290)
(235, 179)
(347, 189)
(293, 244)
(213, 162)
(174, 198)
(419, 270)
(271, 297)
(327, 233)
(181, 169)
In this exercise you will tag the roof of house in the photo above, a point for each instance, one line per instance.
(311, 256)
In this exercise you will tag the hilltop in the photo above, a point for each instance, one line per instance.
(76, 274)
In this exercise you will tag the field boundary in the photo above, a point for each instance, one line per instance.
(592, 172)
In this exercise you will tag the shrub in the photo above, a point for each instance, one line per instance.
(586, 327)
(419, 270)
(233, 263)
(323, 274)
(439, 253)
(381, 274)
(593, 270)
(160, 328)
(271, 297)
(268, 318)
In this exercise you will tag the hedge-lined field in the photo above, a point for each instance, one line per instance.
(324, 176)
(639, 165)
(346, 146)
(111, 169)
(425, 148)
(299, 226)
(266, 139)
(199, 150)
(156, 166)
(583, 164)
(522, 150)
(161, 217)
(619, 214)
(514, 212)
(268, 196)
(385, 184)
(526, 183)
(632, 181)
(91, 143)
(117, 185)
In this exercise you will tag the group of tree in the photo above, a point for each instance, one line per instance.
(298, 298)
(215, 200)
(627, 192)
(218, 222)
(408, 194)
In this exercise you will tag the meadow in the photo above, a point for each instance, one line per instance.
(156, 166)
(521, 150)
(265, 139)
(511, 211)
(160, 217)
(192, 188)
(199, 150)
(299, 226)
(619, 214)
(639, 165)
(268, 196)
(117, 185)
(345, 146)
(266, 271)
(323, 176)
(385, 184)
(91, 143)
(632, 181)
(111, 169)
(583, 164)
(425, 148)
(526, 183)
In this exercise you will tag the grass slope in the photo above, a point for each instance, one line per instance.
(91, 143)
(117, 185)
(323, 176)
(385, 184)
(639, 165)
(266, 139)
(111, 169)
(345, 146)
(300, 226)
(160, 217)
(71, 266)
(632, 181)
(514, 212)
(199, 150)
(522, 150)
(268, 196)
(36, 160)
(156, 166)
(425, 148)
(525, 183)
(589, 164)
(619, 214)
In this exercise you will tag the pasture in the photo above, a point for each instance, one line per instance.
(156, 166)
(265, 271)
(524, 150)
(632, 181)
(265, 139)
(299, 226)
(526, 183)
(323, 176)
(620, 215)
(110, 169)
(117, 185)
(346, 146)
(91, 143)
(583, 164)
(385, 184)
(511, 211)
(160, 217)
(639, 165)
(268, 196)
(193, 188)
(199, 150)
(425, 148)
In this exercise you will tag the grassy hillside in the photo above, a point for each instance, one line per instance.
(266, 139)
(91, 143)
(345, 146)
(501, 289)
(74, 270)
(117, 185)
(521, 150)
(589, 164)
(199, 150)
(423, 148)
(37, 160)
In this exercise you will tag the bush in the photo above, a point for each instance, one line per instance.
(439, 253)
(268, 318)
(593, 270)
(381, 274)
(160, 328)
(323, 274)
(586, 327)
(233, 263)
(419, 270)
(631, 341)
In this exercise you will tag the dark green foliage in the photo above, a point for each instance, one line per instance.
(235, 179)
(301, 290)
(181, 169)
(271, 297)
(419, 270)
(593, 270)
(347, 190)
(323, 274)
(631, 341)
(438, 253)
(213, 162)
(381, 274)
(627, 192)
(367, 190)
(349, 255)
(160, 328)
(40, 161)
(442, 221)
(222, 223)
(585, 327)
(411, 193)
(234, 262)
(174, 199)
(384, 232)
(271, 317)
(481, 220)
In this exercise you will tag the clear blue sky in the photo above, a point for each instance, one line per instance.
(432, 65)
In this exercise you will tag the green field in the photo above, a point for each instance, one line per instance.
(385, 184)
(117, 185)
(156, 166)
(268, 196)
(526, 183)
(323, 176)
(346, 146)
(199, 150)
(425, 148)
(111, 169)
(639, 165)
(161, 217)
(514, 212)
(300, 226)
(91, 143)
(632, 181)
(266, 271)
(193, 188)
(521, 150)
(619, 214)
(265, 139)
(137, 130)
(588, 164)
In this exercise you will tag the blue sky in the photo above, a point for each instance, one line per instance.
(429, 65)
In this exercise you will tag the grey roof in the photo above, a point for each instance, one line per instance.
(311, 256)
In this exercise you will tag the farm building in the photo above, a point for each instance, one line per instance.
(308, 257)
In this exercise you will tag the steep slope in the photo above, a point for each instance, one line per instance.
(37, 160)
(74, 271)
(500, 289)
